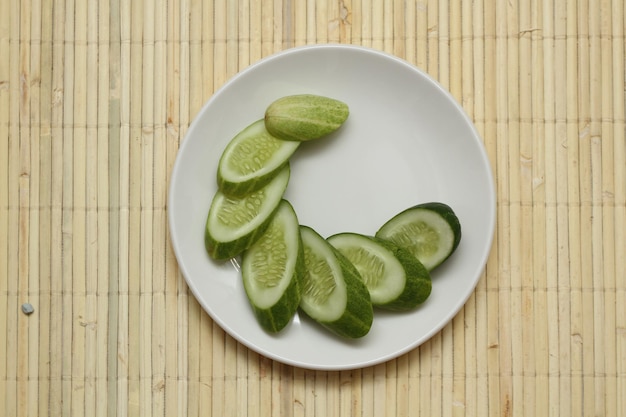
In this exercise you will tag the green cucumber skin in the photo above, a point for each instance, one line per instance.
(357, 319)
(277, 317)
(418, 284)
(304, 117)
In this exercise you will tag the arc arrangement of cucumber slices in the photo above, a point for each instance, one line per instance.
(287, 267)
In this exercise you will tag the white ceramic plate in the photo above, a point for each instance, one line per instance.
(405, 142)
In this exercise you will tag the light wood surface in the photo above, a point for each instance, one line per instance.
(95, 99)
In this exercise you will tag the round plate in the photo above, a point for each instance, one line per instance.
(406, 141)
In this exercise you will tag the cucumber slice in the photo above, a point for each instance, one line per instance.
(272, 269)
(251, 159)
(396, 280)
(430, 231)
(305, 117)
(333, 293)
(235, 223)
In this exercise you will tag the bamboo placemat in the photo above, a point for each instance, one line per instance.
(95, 99)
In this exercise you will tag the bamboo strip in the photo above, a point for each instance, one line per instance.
(540, 242)
(122, 192)
(10, 312)
(132, 321)
(220, 56)
(465, 372)
(299, 18)
(332, 22)
(267, 21)
(101, 385)
(574, 195)
(585, 235)
(277, 32)
(177, 387)
(36, 217)
(364, 19)
(67, 224)
(232, 44)
(377, 24)
(367, 392)
(563, 264)
(243, 34)
(77, 211)
(321, 22)
(57, 239)
(208, 388)
(386, 400)
(455, 42)
(159, 201)
(229, 376)
(526, 362)
(402, 382)
(551, 209)
(593, 322)
(433, 32)
(42, 376)
(113, 118)
(517, 159)
(26, 223)
(387, 26)
(207, 327)
(144, 158)
(478, 346)
(607, 282)
(619, 102)
(345, 24)
(398, 30)
(218, 337)
(504, 215)
(185, 397)
(411, 31)
(5, 210)
(90, 322)
(493, 268)
(414, 381)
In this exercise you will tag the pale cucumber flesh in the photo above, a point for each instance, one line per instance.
(333, 293)
(251, 159)
(272, 268)
(234, 223)
(380, 270)
(430, 231)
(323, 288)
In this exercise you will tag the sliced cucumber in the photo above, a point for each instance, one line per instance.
(305, 117)
(251, 159)
(272, 269)
(430, 231)
(235, 223)
(333, 293)
(396, 280)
